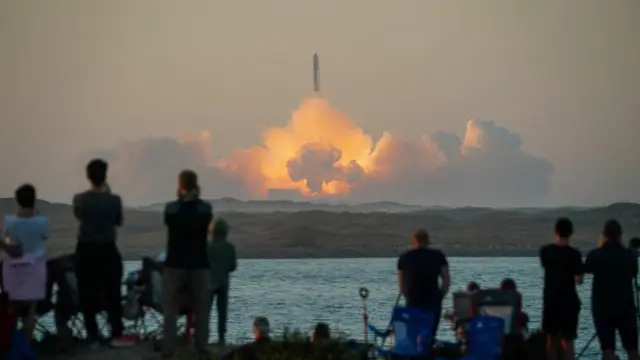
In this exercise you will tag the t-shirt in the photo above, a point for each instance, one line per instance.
(187, 229)
(421, 269)
(561, 264)
(614, 268)
(29, 232)
(99, 213)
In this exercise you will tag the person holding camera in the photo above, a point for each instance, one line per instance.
(614, 268)
(563, 269)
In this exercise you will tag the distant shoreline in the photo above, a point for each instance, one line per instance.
(127, 256)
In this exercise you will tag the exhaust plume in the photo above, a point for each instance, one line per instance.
(322, 153)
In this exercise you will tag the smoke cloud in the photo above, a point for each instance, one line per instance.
(321, 153)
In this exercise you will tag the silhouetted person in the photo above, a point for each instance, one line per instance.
(473, 286)
(186, 267)
(261, 340)
(22, 237)
(321, 333)
(222, 262)
(563, 269)
(614, 268)
(508, 284)
(418, 272)
(98, 264)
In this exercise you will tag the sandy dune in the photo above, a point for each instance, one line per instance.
(357, 231)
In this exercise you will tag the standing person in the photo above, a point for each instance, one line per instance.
(25, 272)
(613, 307)
(222, 262)
(418, 272)
(187, 265)
(563, 269)
(98, 264)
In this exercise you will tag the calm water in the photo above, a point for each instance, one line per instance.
(299, 293)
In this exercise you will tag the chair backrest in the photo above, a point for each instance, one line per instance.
(65, 276)
(464, 305)
(412, 331)
(501, 303)
(484, 336)
(151, 277)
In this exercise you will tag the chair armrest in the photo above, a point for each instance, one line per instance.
(377, 332)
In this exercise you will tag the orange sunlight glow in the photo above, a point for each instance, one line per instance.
(314, 126)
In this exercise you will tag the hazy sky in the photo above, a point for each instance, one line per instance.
(80, 76)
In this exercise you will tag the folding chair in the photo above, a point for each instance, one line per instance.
(484, 338)
(66, 309)
(151, 322)
(412, 331)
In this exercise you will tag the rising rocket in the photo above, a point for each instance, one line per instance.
(316, 73)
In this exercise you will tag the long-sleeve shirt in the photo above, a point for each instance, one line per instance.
(222, 262)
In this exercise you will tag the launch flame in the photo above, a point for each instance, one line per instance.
(321, 152)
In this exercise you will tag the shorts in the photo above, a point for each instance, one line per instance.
(561, 321)
(25, 278)
(625, 322)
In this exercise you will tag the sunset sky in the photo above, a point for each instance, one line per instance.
(157, 86)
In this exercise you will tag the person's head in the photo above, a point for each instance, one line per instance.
(26, 197)
(260, 327)
(508, 284)
(473, 286)
(563, 228)
(612, 231)
(220, 229)
(420, 238)
(188, 183)
(97, 172)
(321, 333)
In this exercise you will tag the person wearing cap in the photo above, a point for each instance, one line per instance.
(612, 295)
(418, 272)
(186, 266)
(222, 262)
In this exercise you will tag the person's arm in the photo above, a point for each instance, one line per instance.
(634, 264)
(579, 269)
(400, 268)
(542, 256)
(76, 206)
(45, 230)
(234, 259)
(445, 275)
(170, 213)
(119, 211)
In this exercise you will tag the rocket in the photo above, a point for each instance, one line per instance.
(316, 73)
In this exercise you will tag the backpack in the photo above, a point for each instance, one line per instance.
(7, 322)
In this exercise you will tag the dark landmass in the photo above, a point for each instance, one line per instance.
(367, 233)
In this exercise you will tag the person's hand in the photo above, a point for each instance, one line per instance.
(14, 251)
(601, 240)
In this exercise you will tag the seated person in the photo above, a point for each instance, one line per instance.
(252, 351)
(473, 286)
(450, 314)
(321, 333)
(508, 284)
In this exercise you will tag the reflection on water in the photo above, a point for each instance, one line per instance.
(299, 293)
